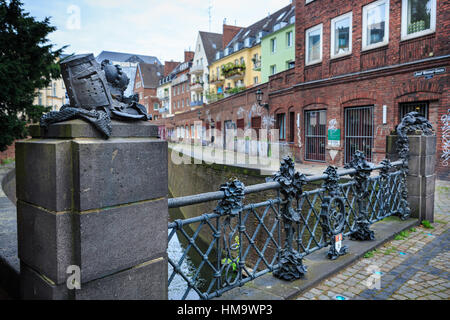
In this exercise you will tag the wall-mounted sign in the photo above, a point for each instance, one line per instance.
(429, 73)
(334, 137)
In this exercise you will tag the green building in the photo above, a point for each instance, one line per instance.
(278, 46)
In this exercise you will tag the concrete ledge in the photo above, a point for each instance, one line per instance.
(82, 129)
(319, 266)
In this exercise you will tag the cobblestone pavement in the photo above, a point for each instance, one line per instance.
(413, 266)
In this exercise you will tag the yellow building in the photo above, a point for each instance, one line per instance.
(238, 66)
(53, 96)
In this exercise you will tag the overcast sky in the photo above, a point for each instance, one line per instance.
(161, 28)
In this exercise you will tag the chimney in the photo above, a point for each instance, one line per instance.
(169, 66)
(228, 34)
(188, 56)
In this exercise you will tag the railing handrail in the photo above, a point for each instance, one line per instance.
(219, 195)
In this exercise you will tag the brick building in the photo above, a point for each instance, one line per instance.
(181, 94)
(146, 84)
(360, 65)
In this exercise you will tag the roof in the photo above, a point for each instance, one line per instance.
(126, 57)
(150, 74)
(212, 42)
(281, 18)
(181, 67)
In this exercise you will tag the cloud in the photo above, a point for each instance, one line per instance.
(152, 27)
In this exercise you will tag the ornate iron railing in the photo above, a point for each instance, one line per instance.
(237, 242)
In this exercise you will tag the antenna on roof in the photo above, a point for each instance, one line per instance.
(210, 14)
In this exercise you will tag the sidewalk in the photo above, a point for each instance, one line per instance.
(414, 266)
(267, 166)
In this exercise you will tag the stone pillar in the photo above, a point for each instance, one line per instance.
(97, 204)
(422, 173)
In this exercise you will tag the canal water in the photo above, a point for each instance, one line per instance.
(176, 248)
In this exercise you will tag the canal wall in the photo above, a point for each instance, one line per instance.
(188, 179)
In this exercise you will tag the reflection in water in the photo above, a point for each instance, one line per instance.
(177, 245)
(178, 286)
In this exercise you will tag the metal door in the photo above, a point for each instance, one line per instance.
(358, 131)
(315, 135)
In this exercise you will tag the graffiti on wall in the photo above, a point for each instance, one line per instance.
(299, 137)
(445, 119)
(268, 122)
(240, 112)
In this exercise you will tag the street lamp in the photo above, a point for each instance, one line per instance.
(259, 97)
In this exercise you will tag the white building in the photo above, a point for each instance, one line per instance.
(205, 48)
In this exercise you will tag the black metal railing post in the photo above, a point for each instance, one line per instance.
(361, 187)
(230, 207)
(291, 183)
(385, 193)
(332, 214)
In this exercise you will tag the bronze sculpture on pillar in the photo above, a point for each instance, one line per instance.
(96, 94)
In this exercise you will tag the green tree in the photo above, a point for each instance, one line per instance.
(27, 63)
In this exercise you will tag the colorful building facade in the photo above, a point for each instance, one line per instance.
(278, 47)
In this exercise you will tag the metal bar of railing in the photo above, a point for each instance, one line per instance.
(219, 195)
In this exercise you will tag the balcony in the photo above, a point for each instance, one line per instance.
(197, 69)
(197, 86)
(216, 81)
(256, 64)
(237, 75)
(163, 97)
(163, 110)
(233, 72)
(182, 78)
(196, 103)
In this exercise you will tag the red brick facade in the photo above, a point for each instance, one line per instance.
(8, 153)
(384, 76)
(147, 97)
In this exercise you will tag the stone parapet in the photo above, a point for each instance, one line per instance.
(97, 204)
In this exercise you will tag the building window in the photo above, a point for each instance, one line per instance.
(273, 45)
(281, 125)
(40, 99)
(375, 24)
(255, 80)
(315, 135)
(290, 64)
(418, 18)
(358, 131)
(138, 85)
(182, 103)
(141, 96)
(273, 69)
(155, 106)
(242, 61)
(341, 35)
(420, 107)
(289, 38)
(314, 44)
(291, 126)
